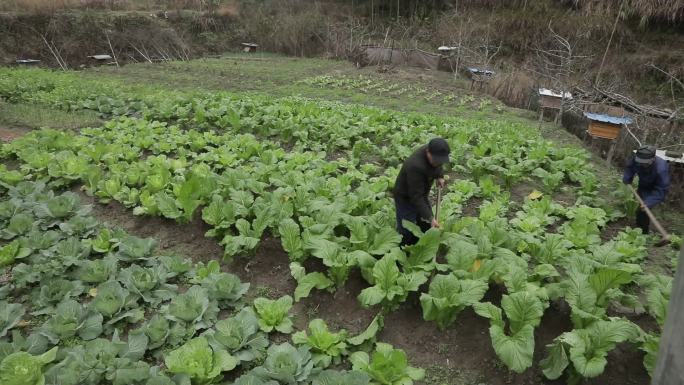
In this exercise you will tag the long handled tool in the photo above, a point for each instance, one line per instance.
(439, 202)
(658, 226)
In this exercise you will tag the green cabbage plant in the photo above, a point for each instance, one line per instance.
(287, 365)
(448, 296)
(22, 368)
(72, 319)
(239, 335)
(274, 314)
(386, 366)
(200, 363)
(327, 347)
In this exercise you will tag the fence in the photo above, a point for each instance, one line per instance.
(406, 57)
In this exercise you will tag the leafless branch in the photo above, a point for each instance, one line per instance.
(671, 76)
(606, 95)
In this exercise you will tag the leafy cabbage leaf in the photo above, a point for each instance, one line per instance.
(327, 347)
(199, 362)
(22, 368)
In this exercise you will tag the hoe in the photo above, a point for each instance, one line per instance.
(666, 237)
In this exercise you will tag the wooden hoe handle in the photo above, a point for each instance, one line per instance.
(658, 226)
(439, 202)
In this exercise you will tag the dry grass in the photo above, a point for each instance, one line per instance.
(225, 7)
(671, 10)
(37, 6)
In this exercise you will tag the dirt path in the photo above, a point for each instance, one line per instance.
(187, 240)
(8, 134)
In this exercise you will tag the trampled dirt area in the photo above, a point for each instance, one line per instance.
(171, 237)
(460, 355)
(9, 134)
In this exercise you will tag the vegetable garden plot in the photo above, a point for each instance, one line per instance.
(222, 157)
(76, 288)
(368, 85)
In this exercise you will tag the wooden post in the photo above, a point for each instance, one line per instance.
(458, 56)
(559, 114)
(669, 368)
(541, 115)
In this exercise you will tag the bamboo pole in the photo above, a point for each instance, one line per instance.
(610, 40)
(53, 53)
(111, 49)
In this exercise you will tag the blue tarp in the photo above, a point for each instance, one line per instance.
(608, 118)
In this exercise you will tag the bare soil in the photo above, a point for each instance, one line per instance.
(8, 134)
(186, 240)
(614, 228)
(471, 208)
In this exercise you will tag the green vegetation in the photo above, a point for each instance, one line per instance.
(274, 314)
(327, 347)
(281, 76)
(116, 284)
(317, 175)
(26, 116)
(387, 366)
(365, 84)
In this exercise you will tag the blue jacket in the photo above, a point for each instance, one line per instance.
(653, 181)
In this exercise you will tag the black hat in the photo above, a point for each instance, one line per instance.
(645, 155)
(439, 149)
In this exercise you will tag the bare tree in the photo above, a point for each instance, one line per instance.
(487, 48)
(558, 65)
(471, 46)
(673, 82)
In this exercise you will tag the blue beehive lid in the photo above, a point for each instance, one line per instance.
(609, 118)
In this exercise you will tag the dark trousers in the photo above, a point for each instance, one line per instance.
(408, 212)
(642, 220)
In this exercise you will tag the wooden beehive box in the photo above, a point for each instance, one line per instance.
(480, 74)
(606, 126)
(249, 47)
(550, 102)
(551, 99)
(604, 130)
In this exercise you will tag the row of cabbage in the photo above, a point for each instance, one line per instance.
(369, 85)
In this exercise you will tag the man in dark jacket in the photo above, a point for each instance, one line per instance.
(413, 185)
(654, 181)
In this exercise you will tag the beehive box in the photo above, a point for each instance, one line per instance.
(552, 99)
(606, 126)
(550, 102)
(604, 130)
